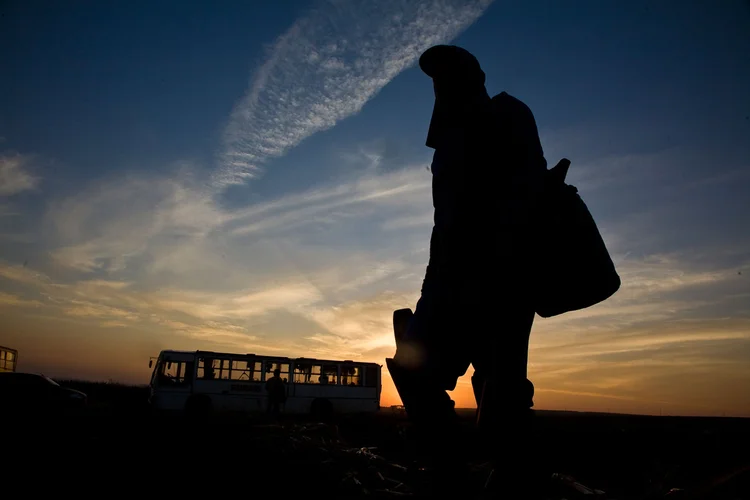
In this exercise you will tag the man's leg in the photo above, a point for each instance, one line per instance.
(427, 364)
(500, 363)
(428, 357)
(505, 394)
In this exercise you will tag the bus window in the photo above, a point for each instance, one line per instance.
(239, 370)
(330, 374)
(223, 365)
(306, 373)
(351, 375)
(213, 369)
(272, 365)
(175, 373)
(7, 361)
(256, 371)
(246, 370)
(205, 369)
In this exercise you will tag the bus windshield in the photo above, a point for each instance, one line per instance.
(173, 373)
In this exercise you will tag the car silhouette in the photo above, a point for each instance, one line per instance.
(25, 392)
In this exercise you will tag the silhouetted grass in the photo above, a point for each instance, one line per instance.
(110, 395)
(367, 456)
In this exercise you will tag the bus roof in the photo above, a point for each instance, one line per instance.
(268, 357)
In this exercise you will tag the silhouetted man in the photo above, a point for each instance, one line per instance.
(276, 392)
(476, 302)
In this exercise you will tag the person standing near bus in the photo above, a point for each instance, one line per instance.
(276, 392)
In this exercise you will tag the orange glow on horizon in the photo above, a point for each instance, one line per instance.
(687, 367)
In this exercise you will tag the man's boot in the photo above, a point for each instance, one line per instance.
(506, 423)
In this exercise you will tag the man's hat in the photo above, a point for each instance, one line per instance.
(450, 62)
(457, 77)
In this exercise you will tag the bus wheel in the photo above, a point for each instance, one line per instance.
(198, 406)
(321, 409)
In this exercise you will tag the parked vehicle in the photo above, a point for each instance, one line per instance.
(219, 381)
(25, 392)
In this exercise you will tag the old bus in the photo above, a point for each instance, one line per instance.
(203, 381)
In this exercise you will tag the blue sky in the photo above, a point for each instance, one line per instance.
(254, 177)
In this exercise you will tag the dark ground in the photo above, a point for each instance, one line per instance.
(117, 446)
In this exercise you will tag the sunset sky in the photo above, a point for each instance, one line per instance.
(252, 177)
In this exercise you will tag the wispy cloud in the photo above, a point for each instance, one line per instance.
(9, 299)
(209, 317)
(239, 304)
(326, 67)
(22, 274)
(299, 293)
(155, 258)
(404, 188)
(113, 222)
(228, 282)
(241, 268)
(424, 219)
(92, 309)
(15, 175)
(158, 226)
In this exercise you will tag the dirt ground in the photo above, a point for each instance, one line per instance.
(117, 447)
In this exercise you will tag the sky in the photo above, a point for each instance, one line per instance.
(252, 177)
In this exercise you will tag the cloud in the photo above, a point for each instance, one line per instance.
(405, 188)
(115, 221)
(672, 316)
(241, 304)
(244, 290)
(114, 324)
(366, 322)
(409, 221)
(656, 289)
(150, 228)
(318, 272)
(675, 312)
(8, 299)
(15, 176)
(319, 254)
(326, 67)
(22, 274)
(207, 317)
(89, 309)
(215, 332)
(703, 371)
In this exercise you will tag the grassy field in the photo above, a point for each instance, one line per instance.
(119, 443)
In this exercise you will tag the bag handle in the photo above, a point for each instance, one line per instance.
(558, 173)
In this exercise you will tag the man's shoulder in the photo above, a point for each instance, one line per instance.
(506, 102)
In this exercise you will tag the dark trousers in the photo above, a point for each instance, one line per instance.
(485, 323)
(274, 407)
